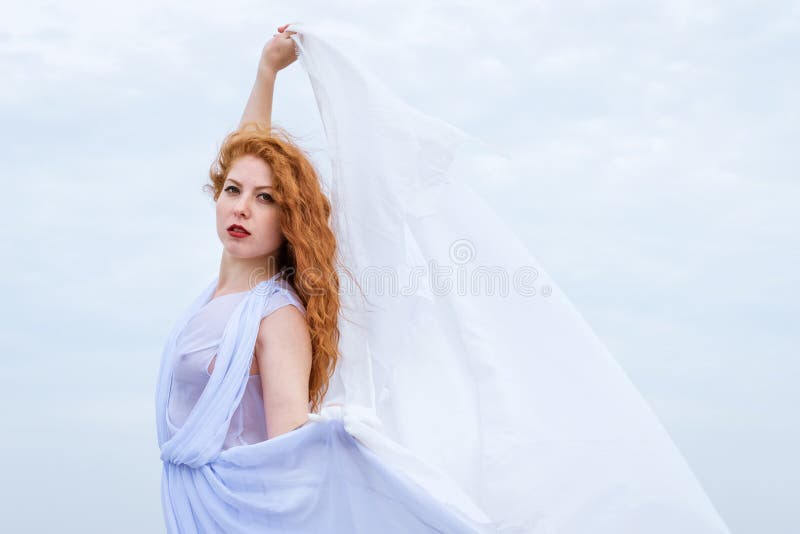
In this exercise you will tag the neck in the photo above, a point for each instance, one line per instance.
(238, 274)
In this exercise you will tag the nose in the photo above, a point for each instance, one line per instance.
(242, 206)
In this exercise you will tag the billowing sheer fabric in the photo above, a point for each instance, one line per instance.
(454, 408)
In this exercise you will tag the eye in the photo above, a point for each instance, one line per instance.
(231, 187)
(267, 197)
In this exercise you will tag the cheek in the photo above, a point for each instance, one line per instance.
(271, 224)
(219, 205)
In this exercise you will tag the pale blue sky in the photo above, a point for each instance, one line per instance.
(656, 152)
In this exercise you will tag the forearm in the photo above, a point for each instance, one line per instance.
(259, 105)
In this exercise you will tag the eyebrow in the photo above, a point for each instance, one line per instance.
(257, 188)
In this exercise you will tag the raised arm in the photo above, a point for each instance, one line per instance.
(277, 54)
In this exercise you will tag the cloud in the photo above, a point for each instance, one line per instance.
(651, 167)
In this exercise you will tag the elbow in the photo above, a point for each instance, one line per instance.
(284, 427)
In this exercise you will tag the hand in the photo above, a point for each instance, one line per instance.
(279, 52)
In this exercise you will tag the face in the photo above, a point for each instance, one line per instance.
(246, 200)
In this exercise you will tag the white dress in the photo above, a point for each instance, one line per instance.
(316, 478)
(197, 345)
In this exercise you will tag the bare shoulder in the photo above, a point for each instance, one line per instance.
(284, 325)
(283, 344)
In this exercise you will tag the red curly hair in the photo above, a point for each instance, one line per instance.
(309, 253)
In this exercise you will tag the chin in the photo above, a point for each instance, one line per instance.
(238, 251)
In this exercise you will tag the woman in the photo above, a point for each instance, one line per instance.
(431, 410)
(272, 220)
(277, 296)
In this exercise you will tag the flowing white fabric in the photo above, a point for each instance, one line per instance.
(504, 406)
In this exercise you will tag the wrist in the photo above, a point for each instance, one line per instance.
(267, 71)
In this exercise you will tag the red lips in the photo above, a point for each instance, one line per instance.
(238, 229)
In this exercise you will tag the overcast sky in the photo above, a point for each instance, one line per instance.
(656, 152)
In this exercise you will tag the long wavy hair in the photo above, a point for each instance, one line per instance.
(309, 253)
